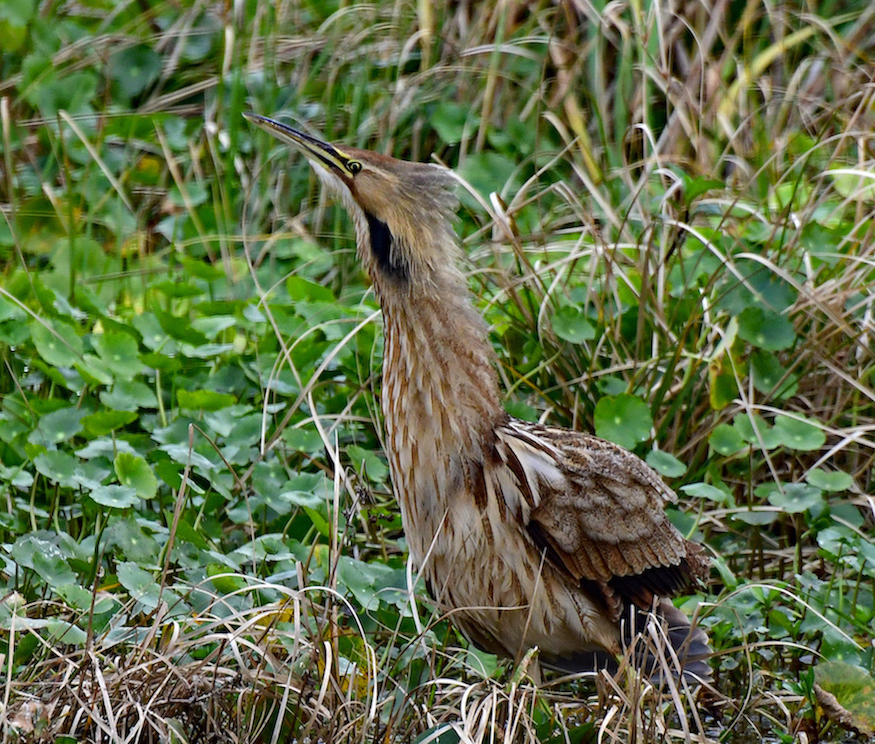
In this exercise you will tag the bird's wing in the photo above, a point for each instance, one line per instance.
(597, 511)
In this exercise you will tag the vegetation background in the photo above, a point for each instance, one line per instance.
(668, 225)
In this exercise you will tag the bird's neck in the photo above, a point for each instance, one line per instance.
(440, 388)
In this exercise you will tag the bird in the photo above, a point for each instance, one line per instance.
(528, 535)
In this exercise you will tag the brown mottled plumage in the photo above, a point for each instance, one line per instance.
(530, 535)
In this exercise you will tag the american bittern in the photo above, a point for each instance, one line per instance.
(530, 535)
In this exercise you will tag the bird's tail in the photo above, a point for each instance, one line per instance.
(668, 644)
(662, 643)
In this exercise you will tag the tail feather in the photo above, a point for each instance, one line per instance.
(649, 648)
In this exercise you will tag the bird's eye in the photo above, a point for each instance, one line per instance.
(354, 166)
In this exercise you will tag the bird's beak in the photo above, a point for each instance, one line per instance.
(314, 149)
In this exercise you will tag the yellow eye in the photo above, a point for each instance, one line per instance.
(354, 166)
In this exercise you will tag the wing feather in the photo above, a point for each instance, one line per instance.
(598, 511)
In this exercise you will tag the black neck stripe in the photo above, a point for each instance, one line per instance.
(381, 247)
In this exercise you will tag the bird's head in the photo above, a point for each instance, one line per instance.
(402, 211)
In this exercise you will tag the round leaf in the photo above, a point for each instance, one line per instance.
(796, 497)
(624, 419)
(59, 349)
(571, 324)
(829, 481)
(204, 400)
(102, 423)
(768, 374)
(766, 329)
(140, 584)
(134, 472)
(665, 464)
(725, 440)
(798, 433)
(119, 353)
(705, 491)
(115, 497)
(754, 430)
(58, 467)
(134, 69)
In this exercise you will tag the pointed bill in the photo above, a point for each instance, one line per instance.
(314, 149)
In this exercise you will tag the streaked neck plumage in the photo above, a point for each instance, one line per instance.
(440, 403)
(440, 390)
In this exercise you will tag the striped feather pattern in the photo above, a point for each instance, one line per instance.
(527, 535)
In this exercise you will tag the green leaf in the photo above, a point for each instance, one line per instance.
(103, 422)
(768, 374)
(44, 557)
(442, 733)
(303, 439)
(186, 533)
(799, 433)
(571, 324)
(706, 491)
(695, 187)
(204, 400)
(129, 395)
(119, 352)
(303, 289)
(829, 481)
(181, 453)
(519, 409)
(61, 347)
(225, 579)
(837, 540)
(94, 370)
(58, 426)
(62, 631)
(213, 325)
(665, 464)
(153, 333)
(14, 18)
(624, 419)
(754, 430)
(76, 596)
(449, 120)
(178, 290)
(766, 329)
(725, 440)
(369, 463)
(115, 497)
(200, 269)
(367, 581)
(795, 498)
(134, 69)
(177, 328)
(16, 476)
(489, 171)
(134, 472)
(140, 584)
(127, 536)
(853, 689)
(57, 466)
(755, 518)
